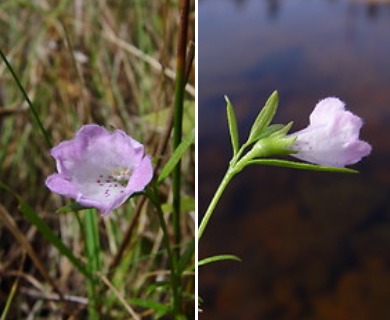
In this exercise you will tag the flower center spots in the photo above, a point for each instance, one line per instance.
(121, 175)
(115, 182)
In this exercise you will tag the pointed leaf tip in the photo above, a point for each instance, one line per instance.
(232, 122)
(264, 117)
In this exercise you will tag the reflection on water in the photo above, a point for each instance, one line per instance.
(314, 245)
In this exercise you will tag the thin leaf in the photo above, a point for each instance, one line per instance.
(232, 121)
(221, 257)
(10, 297)
(92, 246)
(160, 309)
(269, 131)
(265, 116)
(26, 97)
(73, 207)
(176, 156)
(46, 231)
(284, 130)
(300, 165)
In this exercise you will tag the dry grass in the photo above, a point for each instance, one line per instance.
(84, 61)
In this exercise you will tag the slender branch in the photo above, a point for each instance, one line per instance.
(92, 245)
(214, 201)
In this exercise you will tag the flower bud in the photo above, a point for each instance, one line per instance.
(332, 137)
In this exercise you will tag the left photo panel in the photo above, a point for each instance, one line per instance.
(97, 160)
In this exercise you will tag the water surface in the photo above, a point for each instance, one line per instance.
(314, 245)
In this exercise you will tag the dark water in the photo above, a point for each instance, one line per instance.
(314, 245)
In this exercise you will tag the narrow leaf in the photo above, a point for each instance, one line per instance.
(265, 116)
(71, 208)
(176, 156)
(232, 121)
(46, 231)
(284, 130)
(92, 248)
(300, 165)
(221, 257)
(29, 102)
(269, 131)
(160, 309)
(10, 298)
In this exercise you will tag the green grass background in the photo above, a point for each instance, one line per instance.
(84, 61)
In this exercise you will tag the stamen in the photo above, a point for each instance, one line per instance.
(121, 175)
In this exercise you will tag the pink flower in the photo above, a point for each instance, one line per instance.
(332, 137)
(100, 169)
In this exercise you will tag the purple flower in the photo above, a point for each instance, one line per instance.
(100, 169)
(332, 137)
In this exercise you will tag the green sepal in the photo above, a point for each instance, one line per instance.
(268, 131)
(300, 165)
(73, 207)
(221, 257)
(232, 121)
(275, 129)
(283, 130)
(275, 144)
(265, 117)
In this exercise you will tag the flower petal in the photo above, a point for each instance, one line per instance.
(141, 176)
(100, 169)
(58, 184)
(332, 137)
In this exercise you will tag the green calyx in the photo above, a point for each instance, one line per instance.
(272, 145)
(264, 117)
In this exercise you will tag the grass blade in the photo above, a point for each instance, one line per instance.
(92, 245)
(300, 165)
(9, 300)
(30, 104)
(46, 231)
(221, 257)
(232, 121)
(176, 156)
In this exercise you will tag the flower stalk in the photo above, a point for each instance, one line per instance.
(92, 246)
(230, 173)
(330, 142)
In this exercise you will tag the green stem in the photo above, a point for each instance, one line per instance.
(30, 104)
(178, 115)
(230, 173)
(92, 245)
(236, 165)
(175, 276)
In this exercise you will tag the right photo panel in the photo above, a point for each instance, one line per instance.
(293, 159)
